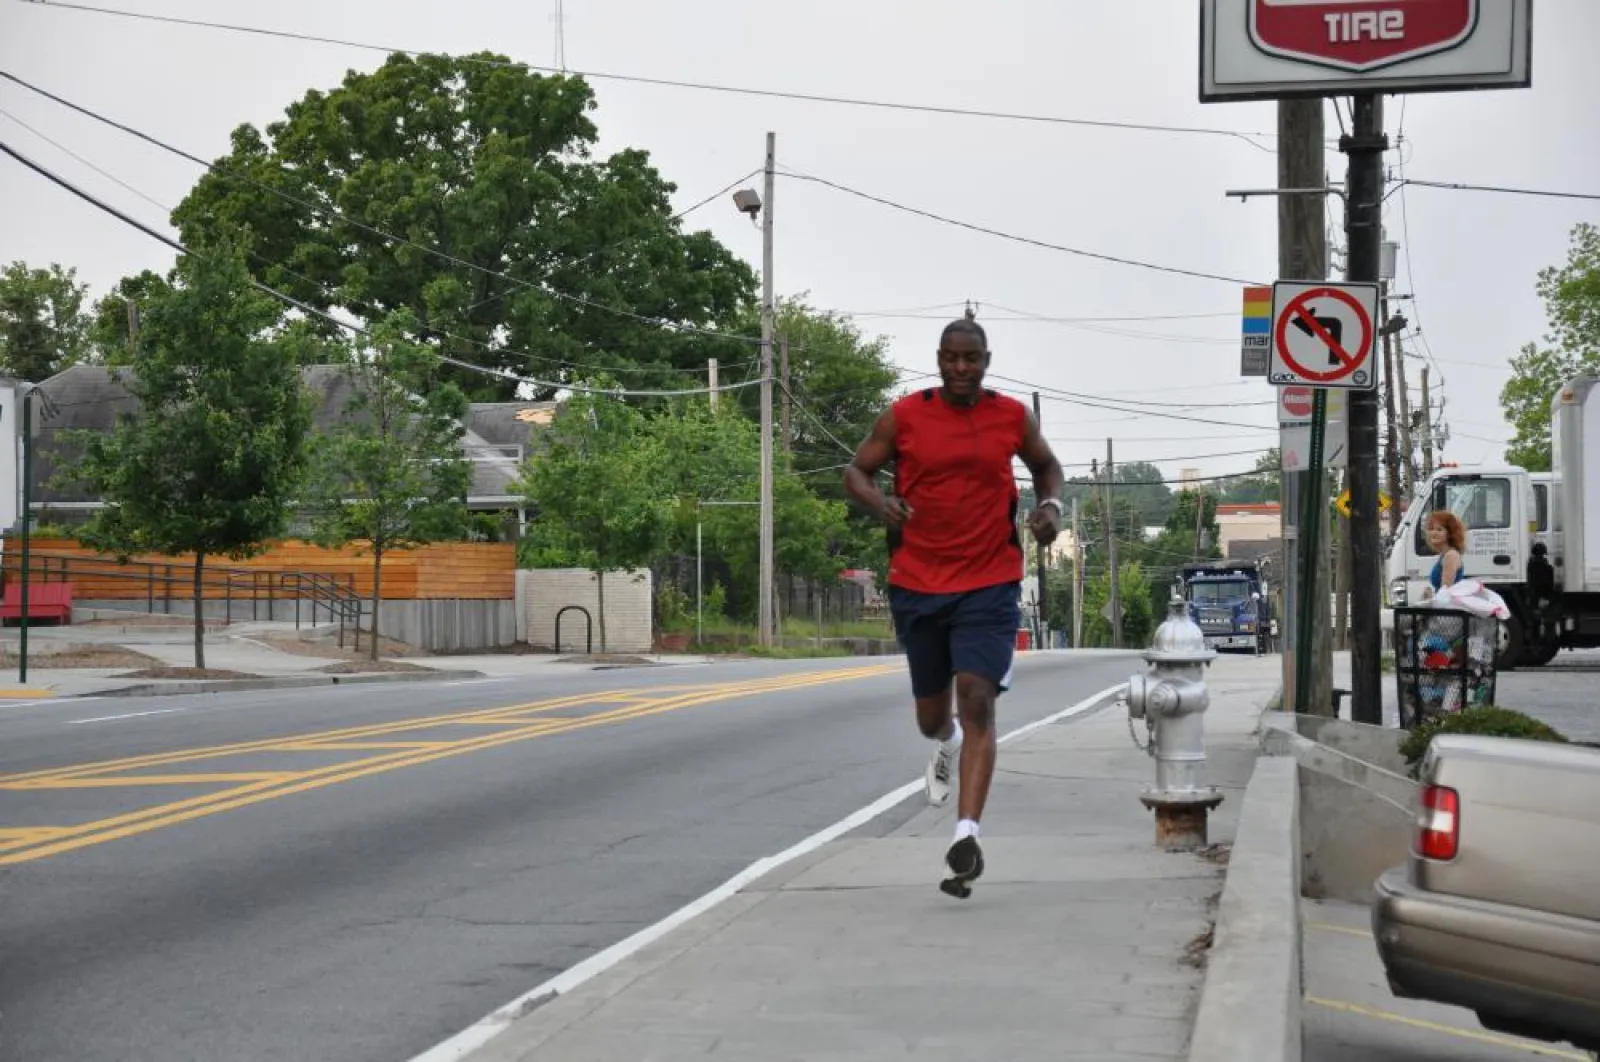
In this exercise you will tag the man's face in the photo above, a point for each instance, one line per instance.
(962, 362)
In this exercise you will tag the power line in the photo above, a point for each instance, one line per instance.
(357, 329)
(1250, 138)
(1455, 186)
(1028, 240)
(363, 226)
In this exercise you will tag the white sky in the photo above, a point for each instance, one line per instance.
(1469, 258)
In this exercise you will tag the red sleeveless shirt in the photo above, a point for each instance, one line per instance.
(953, 467)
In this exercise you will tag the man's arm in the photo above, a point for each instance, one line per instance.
(1048, 482)
(874, 452)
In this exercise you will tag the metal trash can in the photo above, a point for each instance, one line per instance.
(1443, 662)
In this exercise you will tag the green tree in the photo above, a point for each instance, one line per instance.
(111, 322)
(1571, 295)
(598, 486)
(391, 474)
(490, 165)
(1133, 587)
(43, 328)
(1264, 485)
(209, 462)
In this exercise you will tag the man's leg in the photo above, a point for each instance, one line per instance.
(982, 644)
(920, 629)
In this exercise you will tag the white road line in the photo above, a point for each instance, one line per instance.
(496, 1022)
(128, 715)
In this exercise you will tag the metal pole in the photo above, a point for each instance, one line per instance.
(1365, 146)
(26, 396)
(711, 378)
(699, 586)
(1310, 527)
(764, 625)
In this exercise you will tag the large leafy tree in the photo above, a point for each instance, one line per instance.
(391, 474)
(1571, 295)
(599, 490)
(43, 327)
(208, 464)
(519, 250)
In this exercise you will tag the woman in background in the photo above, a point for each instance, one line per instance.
(1447, 537)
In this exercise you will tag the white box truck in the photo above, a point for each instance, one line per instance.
(1532, 537)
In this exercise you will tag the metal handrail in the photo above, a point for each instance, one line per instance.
(321, 590)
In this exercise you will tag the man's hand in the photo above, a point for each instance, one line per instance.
(895, 511)
(1045, 523)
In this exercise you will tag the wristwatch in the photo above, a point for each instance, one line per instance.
(1054, 503)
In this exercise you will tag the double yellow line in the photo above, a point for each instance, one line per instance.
(28, 843)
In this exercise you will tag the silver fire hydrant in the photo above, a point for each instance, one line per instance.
(1171, 698)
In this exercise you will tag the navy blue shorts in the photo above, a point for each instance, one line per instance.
(942, 634)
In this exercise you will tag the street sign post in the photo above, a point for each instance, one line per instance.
(1277, 49)
(1323, 334)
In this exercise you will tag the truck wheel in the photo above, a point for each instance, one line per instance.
(1512, 643)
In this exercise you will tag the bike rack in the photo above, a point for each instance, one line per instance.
(588, 631)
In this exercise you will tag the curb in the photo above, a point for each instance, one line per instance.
(164, 687)
(1250, 1003)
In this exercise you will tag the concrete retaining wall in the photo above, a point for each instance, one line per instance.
(1250, 1005)
(1355, 801)
(544, 592)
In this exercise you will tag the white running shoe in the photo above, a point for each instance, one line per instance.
(939, 779)
(1005, 680)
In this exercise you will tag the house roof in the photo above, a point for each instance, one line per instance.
(92, 397)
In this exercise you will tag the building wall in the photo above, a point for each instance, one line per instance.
(542, 593)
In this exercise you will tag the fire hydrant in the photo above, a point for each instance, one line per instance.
(1171, 698)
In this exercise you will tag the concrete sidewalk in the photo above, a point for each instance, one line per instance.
(1081, 941)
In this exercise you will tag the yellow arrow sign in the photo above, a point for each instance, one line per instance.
(1343, 503)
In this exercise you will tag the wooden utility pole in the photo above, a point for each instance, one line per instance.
(1111, 555)
(1077, 578)
(1408, 453)
(1040, 613)
(1303, 255)
(1391, 438)
(783, 370)
(1427, 427)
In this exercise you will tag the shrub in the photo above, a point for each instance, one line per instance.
(1489, 721)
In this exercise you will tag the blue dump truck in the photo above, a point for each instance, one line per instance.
(1228, 601)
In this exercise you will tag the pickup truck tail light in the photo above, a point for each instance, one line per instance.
(1438, 823)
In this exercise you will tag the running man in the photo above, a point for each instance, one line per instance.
(956, 562)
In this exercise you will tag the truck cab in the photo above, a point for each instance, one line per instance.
(1227, 601)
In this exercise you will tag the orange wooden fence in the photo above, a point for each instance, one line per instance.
(476, 571)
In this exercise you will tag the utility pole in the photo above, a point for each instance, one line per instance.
(1077, 578)
(1303, 255)
(1111, 555)
(765, 623)
(25, 397)
(1391, 436)
(1039, 609)
(1365, 146)
(711, 379)
(783, 372)
(1408, 453)
(1427, 427)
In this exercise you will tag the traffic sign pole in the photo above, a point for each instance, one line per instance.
(1365, 146)
(1314, 497)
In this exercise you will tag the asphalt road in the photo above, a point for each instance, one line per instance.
(357, 873)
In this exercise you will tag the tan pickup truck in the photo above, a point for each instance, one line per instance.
(1498, 907)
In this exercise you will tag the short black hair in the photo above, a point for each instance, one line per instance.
(967, 325)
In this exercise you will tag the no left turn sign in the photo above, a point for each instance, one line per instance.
(1323, 335)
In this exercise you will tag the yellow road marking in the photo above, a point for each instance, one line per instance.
(24, 693)
(82, 782)
(354, 746)
(1481, 1036)
(408, 754)
(1329, 927)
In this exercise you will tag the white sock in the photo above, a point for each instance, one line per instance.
(966, 828)
(952, 733)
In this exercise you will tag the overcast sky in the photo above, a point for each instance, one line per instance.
(1469, 258)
